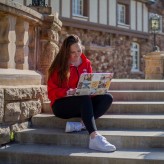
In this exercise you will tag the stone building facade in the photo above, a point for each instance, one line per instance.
(109, 41)
(110, 49)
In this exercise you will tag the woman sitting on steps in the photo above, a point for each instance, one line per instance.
(64, 74)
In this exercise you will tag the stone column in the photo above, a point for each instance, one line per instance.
(154, 65)
(32, 47)
(48, 44)
(12, 39)
(26, 45)
(20, 32)
(4, 30)
(49, 49)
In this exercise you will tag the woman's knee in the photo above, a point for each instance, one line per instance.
(108, 97)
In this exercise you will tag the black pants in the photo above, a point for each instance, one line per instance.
(86, 107)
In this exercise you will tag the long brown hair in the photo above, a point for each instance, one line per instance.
(61, 61)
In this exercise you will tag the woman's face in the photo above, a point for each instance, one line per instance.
(75, 52)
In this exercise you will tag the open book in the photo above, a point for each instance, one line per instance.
(93, 83)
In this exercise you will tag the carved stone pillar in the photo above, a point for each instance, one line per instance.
(4, 30)
(48, 44)
(49, 49)
(32, 48)
(26, 45)
(12, 39)
(19, 56)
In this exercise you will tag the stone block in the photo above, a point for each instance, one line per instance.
(4, 134)
(18, 93)
(30, 108)
(12, 112)
(1, 105)
(40, 93)
(44, 93)
(36, 94)
(20, 126)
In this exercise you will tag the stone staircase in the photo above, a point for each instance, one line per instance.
(134, 123)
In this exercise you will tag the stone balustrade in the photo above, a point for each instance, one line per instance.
(28, 44)
(29, 40)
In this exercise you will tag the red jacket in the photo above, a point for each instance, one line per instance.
(56, 92)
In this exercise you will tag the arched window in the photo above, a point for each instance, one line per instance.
(135, 56)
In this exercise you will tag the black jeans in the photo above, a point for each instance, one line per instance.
(88, 108)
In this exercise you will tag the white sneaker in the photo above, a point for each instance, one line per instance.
(74, 127)
(101, 144)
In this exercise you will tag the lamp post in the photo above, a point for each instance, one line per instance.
(154, 27)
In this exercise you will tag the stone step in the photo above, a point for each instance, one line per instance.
(137, 95)
(139, 84)
(105, 122)
(120, 138)
(136, 107)
(46, 154)
(118, 107)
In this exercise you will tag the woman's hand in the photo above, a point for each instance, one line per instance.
(71, 92)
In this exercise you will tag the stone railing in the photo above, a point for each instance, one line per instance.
(28, 44)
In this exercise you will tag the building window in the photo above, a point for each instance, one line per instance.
(77, 6)
(122, 14)
(135, 56)
(80, 8)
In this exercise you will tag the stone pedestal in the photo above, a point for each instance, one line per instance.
(14, 77)
(154, 65)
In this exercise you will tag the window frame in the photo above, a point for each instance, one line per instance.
(135, 60)
(121, 14)
(126, 4)
(78, 7)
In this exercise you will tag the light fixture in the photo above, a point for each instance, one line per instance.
(154, 24)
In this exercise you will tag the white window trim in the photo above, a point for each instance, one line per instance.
(119, 6)
(133, 58)
(77, 8)
(79, 17)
